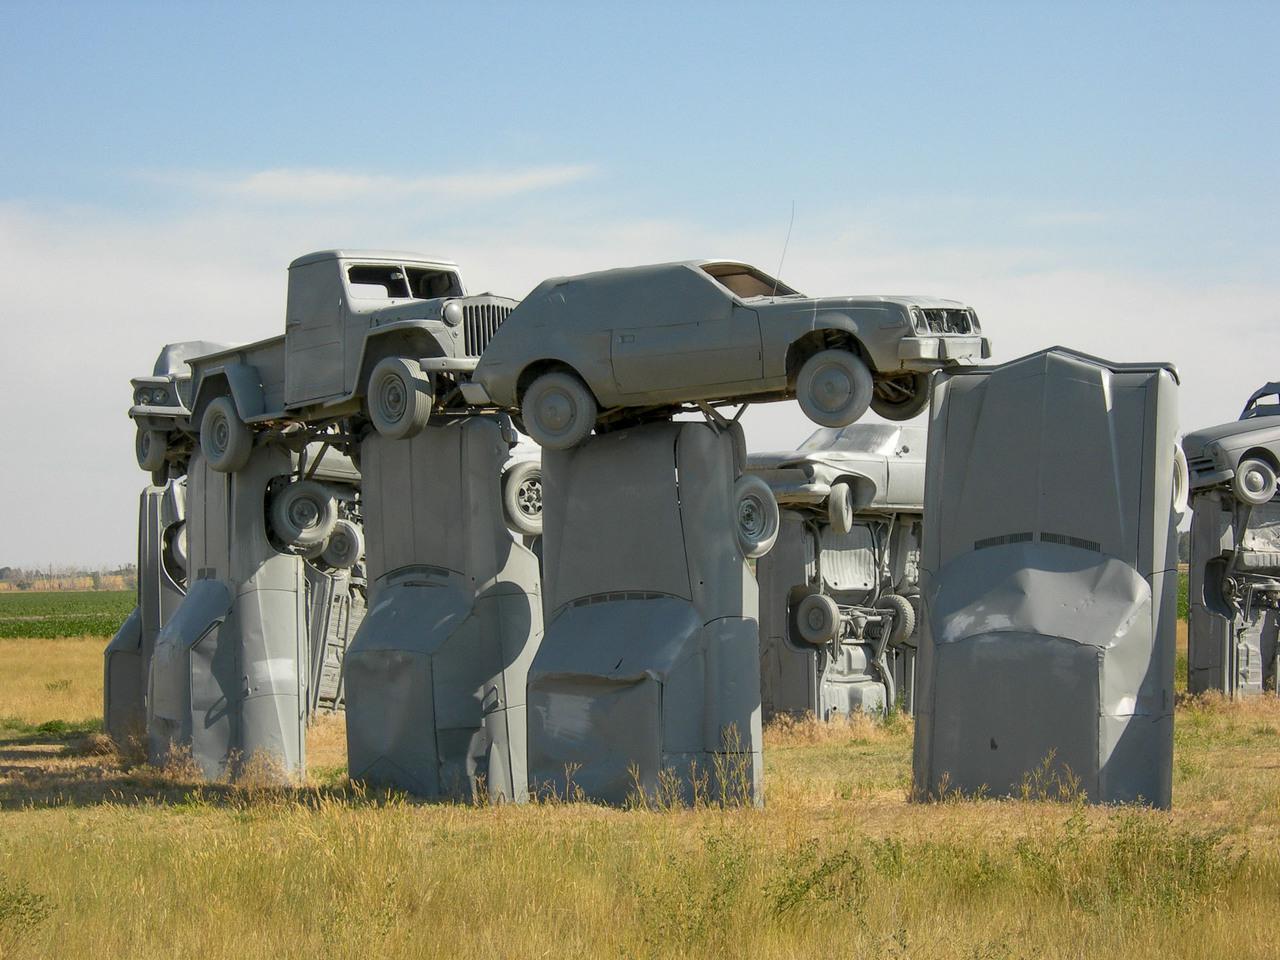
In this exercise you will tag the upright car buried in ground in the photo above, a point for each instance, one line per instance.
(613, 345)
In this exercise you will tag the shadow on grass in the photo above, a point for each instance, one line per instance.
(76, 765)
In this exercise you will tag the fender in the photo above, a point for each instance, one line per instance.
(243, 383)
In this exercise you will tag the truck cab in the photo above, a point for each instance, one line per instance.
(336, 298)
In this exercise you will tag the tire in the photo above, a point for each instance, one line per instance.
(840, 507)
(303, 514)
(522, 498)
(345, 545)
(756, 518)
(834, 388)
(225, 440)
(1254, 482)
(900, 398)
(817, 619)
(558, 410)
(904, 616)
(150, 446)
(1181, 482)
(180, 549)
(399, 398)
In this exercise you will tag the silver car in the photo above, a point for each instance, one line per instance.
(615, 345)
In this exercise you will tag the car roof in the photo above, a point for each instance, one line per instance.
(655, 269)
(393, 256)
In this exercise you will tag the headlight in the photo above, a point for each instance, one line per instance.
(140, 397)
(453, 313)
(159, 396)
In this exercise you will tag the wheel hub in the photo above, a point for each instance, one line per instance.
(1254, 482)
(555, 411)
(529, 497)
(394, 400)
(304, 513)
(832, 388)
(751, 517)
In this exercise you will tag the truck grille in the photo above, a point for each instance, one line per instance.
(480, 321)
(943, 320)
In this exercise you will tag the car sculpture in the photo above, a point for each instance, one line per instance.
(160, 412)
(371, 338)
(608, 348)
(840, 592)
(1243, 455)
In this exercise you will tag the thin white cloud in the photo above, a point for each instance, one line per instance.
(312, 185)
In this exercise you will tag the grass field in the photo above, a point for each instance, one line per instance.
(102, 857)
(53, 614)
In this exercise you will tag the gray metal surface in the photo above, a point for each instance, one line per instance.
(1049, 578)
(883, 466)
(161, 586)
(674, 333)
(649, 671)
(229, 674)
(849, 674)
(1234, 594)
(347, 310)
(1234, 587)
(435, 679)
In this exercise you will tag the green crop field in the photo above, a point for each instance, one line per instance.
(51, 615)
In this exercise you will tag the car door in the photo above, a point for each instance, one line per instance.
(314, 342)
(683, 332)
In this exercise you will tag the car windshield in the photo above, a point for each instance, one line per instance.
(746, 283)
(1264, 403)
(875, 438)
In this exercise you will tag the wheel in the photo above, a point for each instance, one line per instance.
(817, 619)
(834, 388)
(840, 507)
(1254, 482)
(303, 514)
(522, 498)
(558, 410)
(904, 616)
(399, 398)
(345, 546)
(1181, 482)
(179, 549)
(756, 513)
(225, 440)
(150, 447)
(900, 398)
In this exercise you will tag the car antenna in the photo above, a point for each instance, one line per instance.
(777, 273)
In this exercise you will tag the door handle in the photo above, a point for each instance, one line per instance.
(626, 338)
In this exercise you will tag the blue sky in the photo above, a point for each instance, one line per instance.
(1098, 175)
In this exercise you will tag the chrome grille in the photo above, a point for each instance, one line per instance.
(1201, 465)
(480, 321)
(943, 320)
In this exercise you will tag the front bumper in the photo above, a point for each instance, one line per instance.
(944, 349)
(150, 417)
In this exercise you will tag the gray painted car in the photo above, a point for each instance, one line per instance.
(1243, 454)
(1235, 550)
(839, 593)
(374, 337)
(615, 345)
(161, 411)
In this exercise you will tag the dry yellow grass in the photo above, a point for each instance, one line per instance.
(43, 680)
(100, 858)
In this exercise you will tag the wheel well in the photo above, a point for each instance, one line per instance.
(816, 340)
(1263, 454)
(536, 369)
(397, 344)
(216, 386)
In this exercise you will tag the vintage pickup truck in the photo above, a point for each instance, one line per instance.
(372, 337)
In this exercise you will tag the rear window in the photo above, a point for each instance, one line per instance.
(746, 282)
